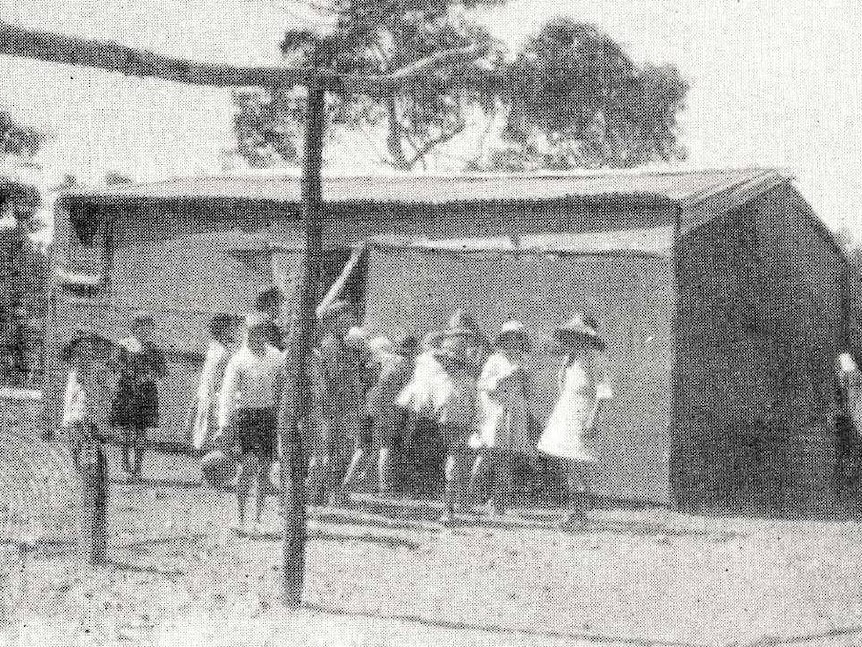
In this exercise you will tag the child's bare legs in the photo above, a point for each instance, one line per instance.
(140, 438)
(318, 468)
(454, 470)
(356, 462)
(384, 465)
(262, 487)
(477, 473)
(248, 472)
(127, 450)
(579, 494)
(502, 461)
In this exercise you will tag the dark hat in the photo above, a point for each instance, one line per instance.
(269, 295)
(581, 327)
(512, 329)
(461, 323)
(80, 336)
(141, 317)
(407, 346)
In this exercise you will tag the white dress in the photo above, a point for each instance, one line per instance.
(427, 389)
(205, 411)
(568, 431)
(504, 417)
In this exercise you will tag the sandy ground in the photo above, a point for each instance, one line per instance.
(385, 573)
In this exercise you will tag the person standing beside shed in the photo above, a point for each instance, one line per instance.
(139, 364)
(504, 426)
(571, 428)
(248, 407)
(337, 368)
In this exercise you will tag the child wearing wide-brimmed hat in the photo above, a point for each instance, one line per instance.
(570, 431)
(504, 427)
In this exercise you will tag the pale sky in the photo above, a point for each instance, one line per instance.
(773, 82)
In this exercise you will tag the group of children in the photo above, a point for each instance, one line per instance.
(453, 388)
(477, 398)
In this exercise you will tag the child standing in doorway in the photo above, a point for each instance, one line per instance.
(571, 429)
(139, 365)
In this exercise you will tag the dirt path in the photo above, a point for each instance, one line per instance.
(384, 573)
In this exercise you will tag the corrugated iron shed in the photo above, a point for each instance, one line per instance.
(684, 188)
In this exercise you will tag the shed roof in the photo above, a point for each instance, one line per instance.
(681, 187)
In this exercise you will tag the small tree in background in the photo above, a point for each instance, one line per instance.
(373, 37)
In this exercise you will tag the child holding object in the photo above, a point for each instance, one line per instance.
(249, 401)
(504, 415)
(571, 428)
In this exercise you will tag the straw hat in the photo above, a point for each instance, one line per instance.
(461, 323)
(380, 344)
(453, 346)
(254, 320)
(512, 329)
(580, 327)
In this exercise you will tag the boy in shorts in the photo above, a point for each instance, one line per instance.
(249, 400)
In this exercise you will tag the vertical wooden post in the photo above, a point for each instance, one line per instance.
(300, 346)
(95, 482)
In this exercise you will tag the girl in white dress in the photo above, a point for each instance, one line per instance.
(570, 431)
(505, 389)
(203, 423)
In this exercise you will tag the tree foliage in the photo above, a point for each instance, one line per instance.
(571, 97)
(576, 99)
(17, 139)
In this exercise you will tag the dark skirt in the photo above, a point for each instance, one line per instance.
(256, 432)
(135, 406)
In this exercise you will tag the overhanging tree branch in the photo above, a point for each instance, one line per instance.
(115, 57)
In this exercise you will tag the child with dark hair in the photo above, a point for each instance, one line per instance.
(455, 409)
(269, 302)
(139, 364)
(250, 395)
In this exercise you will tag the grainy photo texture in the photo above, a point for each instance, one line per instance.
(431, 322)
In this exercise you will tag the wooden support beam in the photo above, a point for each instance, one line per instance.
(299, 351)
(115, 57)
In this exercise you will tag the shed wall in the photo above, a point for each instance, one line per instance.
(758, 323)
